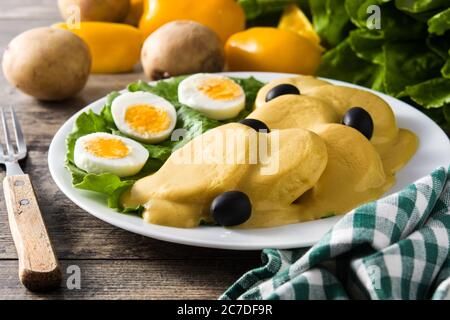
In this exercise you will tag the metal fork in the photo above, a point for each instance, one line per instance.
(38, 266)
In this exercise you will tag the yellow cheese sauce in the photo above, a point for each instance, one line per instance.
(321, 166)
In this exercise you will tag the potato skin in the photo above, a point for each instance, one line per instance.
(47, 63)
(182, 47)
(96, 10)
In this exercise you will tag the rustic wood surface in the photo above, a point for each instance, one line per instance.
(114, 263)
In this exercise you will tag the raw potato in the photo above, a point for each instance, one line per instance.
(182, 47)
(95, 10)
(47, 63)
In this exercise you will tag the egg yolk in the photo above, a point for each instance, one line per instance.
(147, 119)
(220, 89)
(107, 148)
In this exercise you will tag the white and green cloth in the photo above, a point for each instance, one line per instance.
(395, 248)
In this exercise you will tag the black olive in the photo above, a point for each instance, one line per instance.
(281, 90)
(359, 119)
(231, 208)
(255, 124)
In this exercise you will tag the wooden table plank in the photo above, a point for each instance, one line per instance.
(29, 10)
(140, 279)
(115, 263)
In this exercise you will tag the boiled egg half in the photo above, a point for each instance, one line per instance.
(106, 153)
(218, 97)
(144, 116)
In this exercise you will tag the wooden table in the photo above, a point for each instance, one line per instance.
(115, 264)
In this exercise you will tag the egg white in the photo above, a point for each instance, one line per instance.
(123, 167)
(124, 101)
(191, 96)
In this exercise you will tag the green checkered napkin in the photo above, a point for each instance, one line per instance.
(395, 248)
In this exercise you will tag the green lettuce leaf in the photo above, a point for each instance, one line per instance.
(165, 88)
(86, 123)
(433, 93)
(419, 5)
(408, 57)
(106, 111)
(330, 20)
(407, 64)
(357, 10)
(255, 9)
(395, 24)
(192, 122)
(439, 45)
(342, 63)
(108, 184)
(439, 23)
(446, 69)
(368, 45)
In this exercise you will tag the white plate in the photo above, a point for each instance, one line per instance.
(434, 151)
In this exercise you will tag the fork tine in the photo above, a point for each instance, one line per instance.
(21, 145)
(9, 146)
(2, 153)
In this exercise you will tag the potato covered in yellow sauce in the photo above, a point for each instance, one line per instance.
(329, 149)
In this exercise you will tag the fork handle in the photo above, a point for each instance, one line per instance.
(38, 266)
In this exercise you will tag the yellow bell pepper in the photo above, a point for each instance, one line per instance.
(272, 49)
(293, 19)
(225, 17)
(114, 47)
(135, 13)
